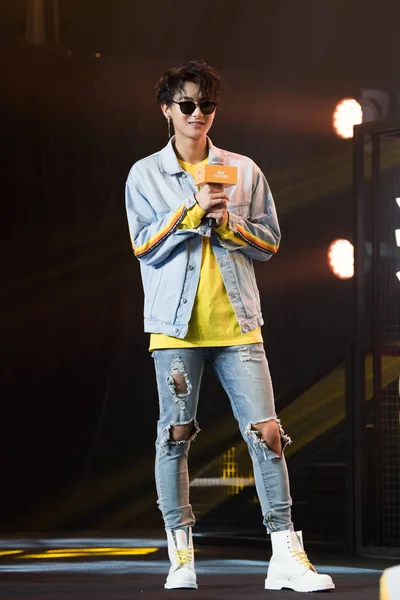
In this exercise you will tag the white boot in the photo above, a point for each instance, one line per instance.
(180, 552)
(289, 566)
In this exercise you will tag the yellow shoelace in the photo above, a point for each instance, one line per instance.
(183, 557)
(302, 558)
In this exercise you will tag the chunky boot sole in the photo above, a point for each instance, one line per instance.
(181, 586)
(279, 584)
(181, 581)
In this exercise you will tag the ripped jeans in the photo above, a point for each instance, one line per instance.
(244, 373)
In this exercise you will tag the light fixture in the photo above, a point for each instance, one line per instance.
(371, 105)
(347, 113)
(341, 258)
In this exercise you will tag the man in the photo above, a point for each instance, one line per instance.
(196, 249)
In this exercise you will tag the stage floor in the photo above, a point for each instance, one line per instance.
(134, 568)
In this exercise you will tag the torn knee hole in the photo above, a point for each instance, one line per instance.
(267, 433)
(184, 432)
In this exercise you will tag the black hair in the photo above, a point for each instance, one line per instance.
(198, 71)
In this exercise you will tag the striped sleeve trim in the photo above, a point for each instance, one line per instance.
(160, 236)
(228, 235)
(253, 240)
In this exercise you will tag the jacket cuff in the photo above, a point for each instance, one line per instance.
(223, 229)
(193, 217)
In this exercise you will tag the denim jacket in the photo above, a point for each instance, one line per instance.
(158, 195)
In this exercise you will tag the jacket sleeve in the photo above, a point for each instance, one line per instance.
(154, 236)
(257, 236)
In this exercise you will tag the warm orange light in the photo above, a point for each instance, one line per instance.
(347, 113)
(341, 259)
(76, 552)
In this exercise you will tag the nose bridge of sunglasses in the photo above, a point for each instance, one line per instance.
(197, 107)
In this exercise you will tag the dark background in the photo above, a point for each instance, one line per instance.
(78, 400)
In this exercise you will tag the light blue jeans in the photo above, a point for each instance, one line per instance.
(244, 373)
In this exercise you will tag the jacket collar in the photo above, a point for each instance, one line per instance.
(169, 163)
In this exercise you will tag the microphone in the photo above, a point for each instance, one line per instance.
(217, 173)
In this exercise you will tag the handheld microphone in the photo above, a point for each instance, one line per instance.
(217, 173)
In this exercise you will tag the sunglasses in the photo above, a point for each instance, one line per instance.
(188, 107)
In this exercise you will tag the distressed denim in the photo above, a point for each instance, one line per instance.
(159, 192)
(244, 373)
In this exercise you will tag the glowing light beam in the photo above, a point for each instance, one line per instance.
(341, 258)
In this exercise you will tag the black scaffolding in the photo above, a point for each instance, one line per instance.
(373, 398)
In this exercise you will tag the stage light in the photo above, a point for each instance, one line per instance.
(341, 258)
(347, 113)
(371, 105)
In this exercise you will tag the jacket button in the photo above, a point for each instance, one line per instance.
(176, 330)
(190, 267)
(232, 296)
(183, 300)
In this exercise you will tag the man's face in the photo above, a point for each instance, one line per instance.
(194, 126)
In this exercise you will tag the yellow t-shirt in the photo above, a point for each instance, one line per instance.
(213, 321)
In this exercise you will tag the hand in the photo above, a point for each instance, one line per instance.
(211, 197)
(219, 213)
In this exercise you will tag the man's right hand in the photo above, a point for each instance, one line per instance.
(211, 196)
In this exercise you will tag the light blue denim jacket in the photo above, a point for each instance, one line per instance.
(158, 195)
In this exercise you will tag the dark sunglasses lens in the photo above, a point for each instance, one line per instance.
(207, 107)
(187, 107)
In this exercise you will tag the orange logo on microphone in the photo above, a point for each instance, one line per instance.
(210, 173)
